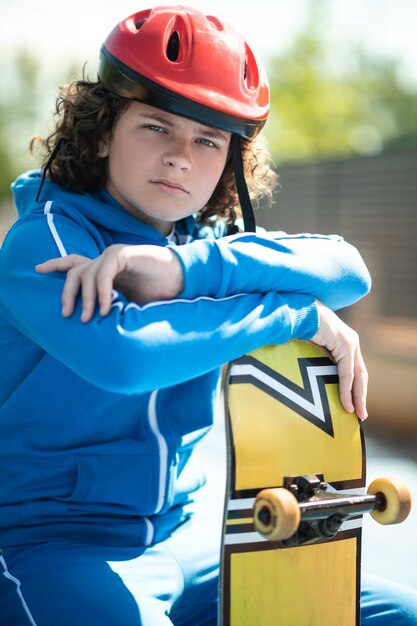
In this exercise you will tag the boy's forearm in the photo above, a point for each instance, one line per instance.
(327, 268)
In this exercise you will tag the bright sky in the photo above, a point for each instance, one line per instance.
(58, 30)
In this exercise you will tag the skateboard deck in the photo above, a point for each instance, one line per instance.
(284, 419)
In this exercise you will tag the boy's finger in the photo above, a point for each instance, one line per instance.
(359, 399)
(60, 264)
(345, 371)
(88, 294)
(70, 292)
(53, 265)
(105, 291)
(104, 283)
(360, 387)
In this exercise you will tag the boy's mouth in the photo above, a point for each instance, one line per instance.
(171, 186)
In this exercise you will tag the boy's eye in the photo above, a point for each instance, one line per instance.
(155, 128)
(207, 142)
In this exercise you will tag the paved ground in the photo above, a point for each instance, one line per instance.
(389, 551)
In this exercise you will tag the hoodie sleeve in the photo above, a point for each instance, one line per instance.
(135, 349)
(325, 267)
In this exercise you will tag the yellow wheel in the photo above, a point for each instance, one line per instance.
(276, 514)
(396, 499)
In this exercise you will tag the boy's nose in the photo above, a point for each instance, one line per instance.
(178, 156)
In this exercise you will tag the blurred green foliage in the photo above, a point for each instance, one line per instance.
(328, 103)
(19, 98)
(27, 102)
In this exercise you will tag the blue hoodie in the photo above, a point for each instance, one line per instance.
(98, 420)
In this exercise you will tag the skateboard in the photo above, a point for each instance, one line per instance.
(291, 544)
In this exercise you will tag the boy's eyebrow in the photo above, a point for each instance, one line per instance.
(212, 132)
(157, 118)
(204, 130)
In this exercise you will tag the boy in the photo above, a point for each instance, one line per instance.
(102, 406)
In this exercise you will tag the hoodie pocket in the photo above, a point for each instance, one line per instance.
(118, 479)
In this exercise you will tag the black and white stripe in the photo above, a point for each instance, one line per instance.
(309, 401)
(245, 533)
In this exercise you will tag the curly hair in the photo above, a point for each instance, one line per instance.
(87, 111)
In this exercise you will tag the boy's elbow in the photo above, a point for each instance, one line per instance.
(359, 273)
(354, 283)
(364, 283)
(368, 285)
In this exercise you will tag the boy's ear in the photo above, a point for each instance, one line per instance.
(103, 147)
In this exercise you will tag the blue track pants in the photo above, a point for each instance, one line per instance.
(173, 582)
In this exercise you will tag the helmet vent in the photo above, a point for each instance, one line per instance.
(214, 22)
(173, 47)
(250, 71)
(138, 25)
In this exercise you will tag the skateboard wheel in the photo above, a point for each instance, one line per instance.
(276, 514)
(396, 500)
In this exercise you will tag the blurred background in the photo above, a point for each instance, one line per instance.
(343, 136)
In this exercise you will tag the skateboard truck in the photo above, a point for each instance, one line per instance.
(304, 511)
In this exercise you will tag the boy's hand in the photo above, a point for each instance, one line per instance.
(142, 273)
(342, 342)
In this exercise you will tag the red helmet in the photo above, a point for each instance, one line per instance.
(176, 58)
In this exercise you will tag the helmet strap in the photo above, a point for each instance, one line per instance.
(59, 147)
(241, 186)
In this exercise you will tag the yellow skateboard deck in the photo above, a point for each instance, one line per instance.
(284, 419)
